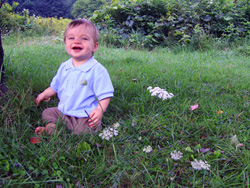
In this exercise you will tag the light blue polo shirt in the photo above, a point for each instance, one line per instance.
(74, 97)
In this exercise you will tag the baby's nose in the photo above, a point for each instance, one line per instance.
(77, 41)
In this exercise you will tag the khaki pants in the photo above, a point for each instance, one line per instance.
(74, 124)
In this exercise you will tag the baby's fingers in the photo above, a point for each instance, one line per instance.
(47, 99)
(94, 123)
(39, 130)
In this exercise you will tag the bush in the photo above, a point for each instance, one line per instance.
(161, 22)
(11, 21)
(32, 25)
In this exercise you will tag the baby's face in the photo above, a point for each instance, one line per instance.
(79, 43)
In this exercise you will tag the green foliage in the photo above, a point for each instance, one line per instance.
(10, 20)
(85, 8)
(165, 23)
(29, 25)
(144, 24)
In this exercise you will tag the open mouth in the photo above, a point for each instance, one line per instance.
(77, 48)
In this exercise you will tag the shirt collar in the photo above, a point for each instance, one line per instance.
(85, 67)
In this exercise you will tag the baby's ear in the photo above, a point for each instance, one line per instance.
(95, 47)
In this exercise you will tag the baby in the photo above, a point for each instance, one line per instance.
(82, 84)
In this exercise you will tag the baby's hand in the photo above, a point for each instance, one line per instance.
(39, 130)
(95, 117)
(41, 97)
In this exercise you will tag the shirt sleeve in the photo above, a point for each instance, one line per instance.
(102, 86)
(55, 83)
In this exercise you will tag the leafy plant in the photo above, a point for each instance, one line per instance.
(164, 22)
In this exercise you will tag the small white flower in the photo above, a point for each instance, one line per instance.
(84, 82)
(153, 93)
(205, 165)
(149, 88)
(140, 138)
(147, 149)
(161, 93)
(108, 133)
(176, 155)
(116, 125)
(234, 140)
(113, 131)
(199, 165)
(196, 165)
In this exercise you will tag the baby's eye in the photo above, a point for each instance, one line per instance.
(71, 38)
(84, 38)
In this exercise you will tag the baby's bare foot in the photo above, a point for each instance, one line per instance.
(50, 128)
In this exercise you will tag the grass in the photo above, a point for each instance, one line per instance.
(217, 80)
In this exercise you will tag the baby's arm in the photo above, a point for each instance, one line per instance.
(96, 114)
(45, 95)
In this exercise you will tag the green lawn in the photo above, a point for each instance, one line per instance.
(217, 80)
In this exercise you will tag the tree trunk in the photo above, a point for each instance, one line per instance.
(3, 88)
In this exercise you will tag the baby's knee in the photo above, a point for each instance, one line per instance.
(45, 113)
(50, 115)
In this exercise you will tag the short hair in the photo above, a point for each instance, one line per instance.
(85, 22)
